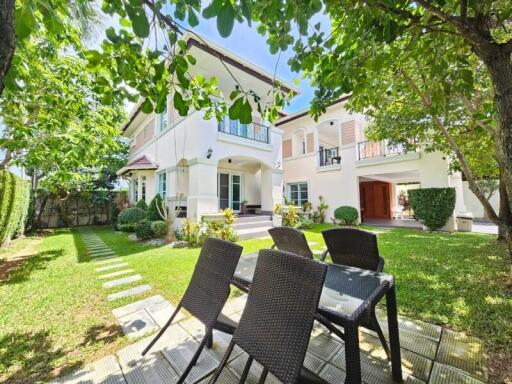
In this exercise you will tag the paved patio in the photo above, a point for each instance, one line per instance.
(430, 354)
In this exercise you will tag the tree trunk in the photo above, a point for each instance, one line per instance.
(37, 223)
(7, 39)
(505, 227)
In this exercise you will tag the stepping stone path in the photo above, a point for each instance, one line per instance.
(137, 318)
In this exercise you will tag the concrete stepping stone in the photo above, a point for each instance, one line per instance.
(104, 257)
(137, 305)
(124, 280)
(99, 248)
(105, 370)
(463, 352)
(107, 260)
(112, 266)
(161, 312)
(129, 292)
(442, 374)
(114, 274)
(137, 324)
(102, 253)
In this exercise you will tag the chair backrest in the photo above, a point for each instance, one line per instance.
(209, 286)
(353, 247)
(276, 324)
(291, 240)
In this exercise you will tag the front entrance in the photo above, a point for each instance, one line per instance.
(375, 199)
(230, 191)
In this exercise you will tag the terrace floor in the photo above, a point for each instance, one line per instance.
(430, 354)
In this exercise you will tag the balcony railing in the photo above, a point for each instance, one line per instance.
(328, 156)
(370, 149)
(253, 131)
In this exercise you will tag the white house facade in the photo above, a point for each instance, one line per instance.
(202, 166)
(332, 158)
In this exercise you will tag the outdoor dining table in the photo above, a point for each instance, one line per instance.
(348, 296)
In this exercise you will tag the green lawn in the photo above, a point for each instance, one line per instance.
(54, 311)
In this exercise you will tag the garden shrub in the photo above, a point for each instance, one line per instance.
(290, 216)
(114, 213)
(144, 231)
(305, 223)
(433, 206)
(128, 227)
(319, 213)
(142, 205)
(160, 228)
(190, 232)
(196, 233)
(346, 215)
(154, 205)
(131, 216)
(14, 203)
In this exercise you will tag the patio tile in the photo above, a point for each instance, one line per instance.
(235, 304)
(107, 260)
(136, 306)
(112, 266)
(150, 369)
(124, 280)
(463, 352)
(137, 324)
(237, 367)
(129, 292)
(114, 274)
(313, 363)
(418, 327)
(416, 343)
(104, 371)
(332, 374)
(323, 346)
(442, 374)
(162, 311)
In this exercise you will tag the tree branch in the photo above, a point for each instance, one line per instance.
(7, 159)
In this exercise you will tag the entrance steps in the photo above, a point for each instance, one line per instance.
(252, 226)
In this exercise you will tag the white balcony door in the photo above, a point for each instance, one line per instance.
(230, 191)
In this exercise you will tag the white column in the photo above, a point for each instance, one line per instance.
(202, 188)
(271, 188)
(456, 182)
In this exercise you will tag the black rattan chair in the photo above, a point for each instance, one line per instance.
(207, 293)
(276, 324)
(290, 240)
(356, 248)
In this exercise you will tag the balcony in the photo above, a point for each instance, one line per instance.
(372, 149)
(328, 156)
(254, 131)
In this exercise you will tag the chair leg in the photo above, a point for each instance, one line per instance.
(378, 329)
(209, 336)
(164, 328)
(194, 359)
(263, 376)
(246, 370)
(223, 363)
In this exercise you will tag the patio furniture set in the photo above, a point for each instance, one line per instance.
(287, 291)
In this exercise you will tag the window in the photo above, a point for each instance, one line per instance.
(298, 193)
(162, 121)
(162, 184)
(143, 189)
(136, 190)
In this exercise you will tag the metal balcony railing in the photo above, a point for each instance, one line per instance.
(370, 149)
(328, 156)
(253, 131)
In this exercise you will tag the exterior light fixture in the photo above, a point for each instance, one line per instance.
(209, 153)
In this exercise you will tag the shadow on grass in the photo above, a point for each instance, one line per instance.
(17, 270)
(101, 334)
(28, 357)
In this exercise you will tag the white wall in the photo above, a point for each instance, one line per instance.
(474, 206)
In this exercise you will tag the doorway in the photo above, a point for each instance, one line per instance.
(230, 191)
(375, 199)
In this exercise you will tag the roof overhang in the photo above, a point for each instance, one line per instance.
(298, 115)
(140, 164)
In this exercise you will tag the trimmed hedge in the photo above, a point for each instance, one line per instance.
(346, 215)
(154, 205)
(14, 202)
(433, 206)
(131, 216)
(160, 228)
(142, 205)
(144, 231)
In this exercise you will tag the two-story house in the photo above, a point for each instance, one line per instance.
(202, 166)
(332, 158)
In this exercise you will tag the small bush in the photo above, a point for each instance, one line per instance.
(160, 228)
(154, 206)
(346, 215)
(305, 223)
(131, 216)
(128, 227)
(142, 205)
(190, 232)
(144, 231)
(114, 213)
(433, 206)
(290, 216)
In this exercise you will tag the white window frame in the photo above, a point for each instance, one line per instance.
(299, 201)
(160, 118)
(143, 188)
(135, 189)
(162, 192)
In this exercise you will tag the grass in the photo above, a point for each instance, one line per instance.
(54, 313)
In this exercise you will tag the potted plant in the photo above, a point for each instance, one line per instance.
(243, 207)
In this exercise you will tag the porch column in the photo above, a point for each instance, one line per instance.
(456, 182)
(271, 188)
(202, 188)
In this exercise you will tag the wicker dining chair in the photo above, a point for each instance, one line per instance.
(290, 240)
(276, 324)
(207, 293)
(356, 248)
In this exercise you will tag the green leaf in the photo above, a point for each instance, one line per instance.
(180, 104)
(212, 10)
(25, 21)
(139, 20)
(246, 113)
(192, 18)
(226, 19)
(146, 106)
(235, 108)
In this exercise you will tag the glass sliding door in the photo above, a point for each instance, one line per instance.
(235, 192)
(230, 191)
(223, 190)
